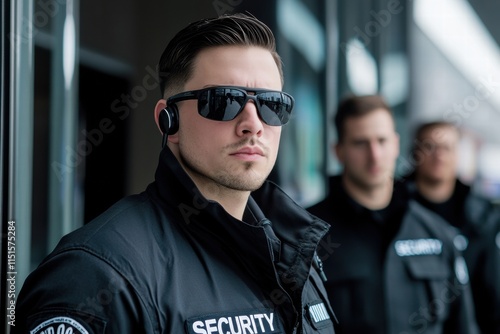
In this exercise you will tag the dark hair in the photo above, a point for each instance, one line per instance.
(356, 106)
(420, 143)
(176, 63)
(422, 128)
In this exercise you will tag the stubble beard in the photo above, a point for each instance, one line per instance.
(432, 180)
(367, 184)
(224, 179)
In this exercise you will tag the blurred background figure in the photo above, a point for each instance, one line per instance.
(394, 260)
(436, 186)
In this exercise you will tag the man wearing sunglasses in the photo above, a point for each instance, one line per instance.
(210, 246)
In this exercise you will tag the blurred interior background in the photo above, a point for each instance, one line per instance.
(79, 87)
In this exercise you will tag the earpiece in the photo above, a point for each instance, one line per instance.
(169, 120)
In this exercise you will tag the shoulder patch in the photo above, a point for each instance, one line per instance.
(60, 325)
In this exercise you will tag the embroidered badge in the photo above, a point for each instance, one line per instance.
(60, 325)
(413, 247)
(243, 322)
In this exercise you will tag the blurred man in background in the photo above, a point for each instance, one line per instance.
(396, 269)
(437, 187)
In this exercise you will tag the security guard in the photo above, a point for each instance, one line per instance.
(209, 247)
(435, 185)
(394, 268)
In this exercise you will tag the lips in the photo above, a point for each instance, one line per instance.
(249, 151)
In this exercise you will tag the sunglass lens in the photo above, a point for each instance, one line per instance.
(234, 100)
(220, 104)
(275, 108)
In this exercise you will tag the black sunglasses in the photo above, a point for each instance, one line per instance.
(224, 103)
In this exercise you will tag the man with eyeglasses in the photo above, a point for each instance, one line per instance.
(210, 246)
(435, 185)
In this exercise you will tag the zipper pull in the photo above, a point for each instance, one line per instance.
(273, 241)
(318, 264)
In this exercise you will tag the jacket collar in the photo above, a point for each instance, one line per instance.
(298, 231)
(347, 205)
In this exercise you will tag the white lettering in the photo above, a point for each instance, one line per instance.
(418, 247)
(270, 320)
(245, 324)
(198, 327)
(231, 326)
(210, 328)
(59, 325)
(490, 84)
(259, 317)
(219, 325)
(241, 324)
(253, 323)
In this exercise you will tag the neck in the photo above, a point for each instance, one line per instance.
(233, 201)
(371, 197)
(435, 191)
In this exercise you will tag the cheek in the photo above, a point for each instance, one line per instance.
(392, 152)
(276, 139)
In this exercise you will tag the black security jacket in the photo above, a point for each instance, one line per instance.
(392, 271)
(480, 225)
(169, 261)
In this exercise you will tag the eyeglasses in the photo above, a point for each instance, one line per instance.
(224, 103)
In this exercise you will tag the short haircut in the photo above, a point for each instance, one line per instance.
(356, 106)
(424, 127)
(419, 142)
(176, 63)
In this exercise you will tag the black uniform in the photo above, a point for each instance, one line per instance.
(478, 222)
(169, 261)
(392, 271)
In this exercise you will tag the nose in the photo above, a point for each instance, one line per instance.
(248, 121)
(375, 151)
